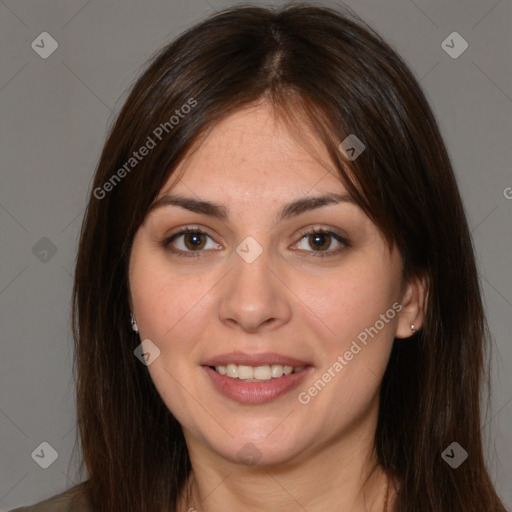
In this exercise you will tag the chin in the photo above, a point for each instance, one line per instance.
(255, 449)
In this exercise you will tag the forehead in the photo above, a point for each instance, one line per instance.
(252, 150)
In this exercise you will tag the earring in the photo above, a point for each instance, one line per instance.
(133, 323)
(413, 328)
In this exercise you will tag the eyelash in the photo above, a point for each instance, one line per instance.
(166, 243)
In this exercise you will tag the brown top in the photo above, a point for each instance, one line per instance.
(72, 500)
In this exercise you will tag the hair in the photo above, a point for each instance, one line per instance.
(336, 74)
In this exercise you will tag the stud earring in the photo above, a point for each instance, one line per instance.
(133, 323)
(413, 328)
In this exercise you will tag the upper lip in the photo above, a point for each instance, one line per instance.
(253, 360)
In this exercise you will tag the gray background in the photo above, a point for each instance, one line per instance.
(53, 117)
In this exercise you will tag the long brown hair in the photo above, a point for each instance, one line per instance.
(332, 71)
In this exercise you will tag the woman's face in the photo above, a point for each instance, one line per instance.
(257, 293)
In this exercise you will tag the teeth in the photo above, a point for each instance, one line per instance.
(232, 371)
(276, 371)
(245, 372)
(264, 372)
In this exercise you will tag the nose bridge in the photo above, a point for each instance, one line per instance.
(253, 295)
(251, 265)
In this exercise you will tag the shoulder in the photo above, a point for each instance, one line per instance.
(72, 500)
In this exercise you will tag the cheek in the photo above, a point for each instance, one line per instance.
(164, 302)
(357, 305)
(356, 353)
(170, 313)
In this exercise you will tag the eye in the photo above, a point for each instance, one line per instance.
(321, 241)
(188, 241)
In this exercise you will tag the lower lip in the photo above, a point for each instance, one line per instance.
(256, 392)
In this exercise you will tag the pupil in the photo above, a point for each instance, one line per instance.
(317, 241)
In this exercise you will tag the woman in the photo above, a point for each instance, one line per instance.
(276, 299)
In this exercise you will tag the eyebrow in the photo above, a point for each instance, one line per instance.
(218, 211)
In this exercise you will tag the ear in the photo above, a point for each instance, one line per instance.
(414, 300)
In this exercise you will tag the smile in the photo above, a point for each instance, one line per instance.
(255, 378)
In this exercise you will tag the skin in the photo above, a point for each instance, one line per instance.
(289, 301)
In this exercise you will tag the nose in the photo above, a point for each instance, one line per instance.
(254, 295)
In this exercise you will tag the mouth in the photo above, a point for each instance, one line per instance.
(255, 379)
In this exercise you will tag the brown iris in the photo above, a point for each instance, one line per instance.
(193, 241)
(316, 241)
